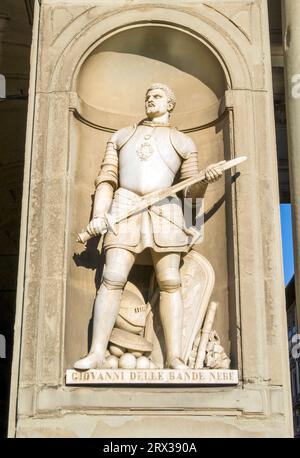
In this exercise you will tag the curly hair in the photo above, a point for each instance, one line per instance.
(169, 93)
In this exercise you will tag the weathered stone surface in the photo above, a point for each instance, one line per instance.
(30, 331)
(248, 400)
(238, 12)
(50, 331)
(143, 425)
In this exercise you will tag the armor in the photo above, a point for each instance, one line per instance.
(139, 160)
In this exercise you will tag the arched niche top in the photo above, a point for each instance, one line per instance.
(113, 79)
(87, 32)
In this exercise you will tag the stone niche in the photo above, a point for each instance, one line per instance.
(91, 64)
(110, 93)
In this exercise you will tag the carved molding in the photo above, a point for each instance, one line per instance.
(85, 121)
(89, 28)
(237, 13)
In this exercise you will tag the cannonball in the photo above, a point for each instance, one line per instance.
(136, 353)
(116, 350)
(111, 362)
(127, 361)
(142, 363)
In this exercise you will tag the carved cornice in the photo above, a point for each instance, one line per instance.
(85, 121)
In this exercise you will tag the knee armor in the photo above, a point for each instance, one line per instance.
(169, 280)
(114, 279)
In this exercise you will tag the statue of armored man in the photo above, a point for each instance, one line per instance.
(139, 162)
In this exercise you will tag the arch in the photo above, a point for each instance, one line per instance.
(114, 77)
(83, 35)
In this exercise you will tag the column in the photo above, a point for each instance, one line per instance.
(291, 46)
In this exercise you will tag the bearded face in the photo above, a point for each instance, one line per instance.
(156, 103)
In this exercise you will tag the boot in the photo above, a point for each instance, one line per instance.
(107, 306)
(171, 314)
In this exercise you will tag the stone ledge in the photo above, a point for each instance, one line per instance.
(156, 376)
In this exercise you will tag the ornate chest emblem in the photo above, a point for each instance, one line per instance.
(145, 151)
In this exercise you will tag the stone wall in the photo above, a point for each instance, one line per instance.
(68, 37)
(15, 43)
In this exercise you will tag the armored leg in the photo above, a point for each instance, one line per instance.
(117, 267)
(171, 305)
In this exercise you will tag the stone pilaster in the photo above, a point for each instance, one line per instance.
(291, 38)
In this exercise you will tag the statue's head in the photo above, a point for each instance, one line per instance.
(159, 100)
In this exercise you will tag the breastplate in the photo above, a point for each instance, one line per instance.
(148, 161)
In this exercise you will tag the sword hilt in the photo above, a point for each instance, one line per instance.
(85, 236)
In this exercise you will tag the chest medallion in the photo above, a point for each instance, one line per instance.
(146, 149)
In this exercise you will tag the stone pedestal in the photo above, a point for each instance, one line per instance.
(85, 60)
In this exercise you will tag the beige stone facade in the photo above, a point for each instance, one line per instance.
(15, 42)
(86, 58)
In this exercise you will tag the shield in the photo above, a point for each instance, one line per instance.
(197, 280)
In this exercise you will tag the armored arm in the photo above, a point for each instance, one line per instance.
(187, 150)
(106, 181)
(105, 184)
(189, 169)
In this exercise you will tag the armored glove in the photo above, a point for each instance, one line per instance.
(98, 225)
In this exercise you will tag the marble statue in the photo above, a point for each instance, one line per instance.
(141, 160)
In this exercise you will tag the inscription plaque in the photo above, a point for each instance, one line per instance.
(163, 376)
